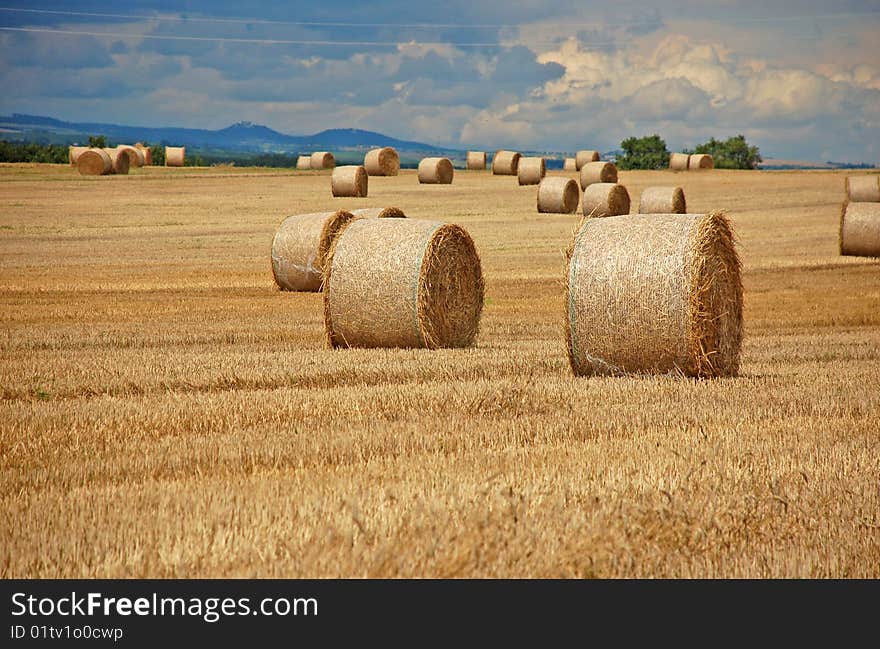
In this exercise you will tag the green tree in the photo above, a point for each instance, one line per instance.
(733, 153)
(648, 152)
(98, 141)
(158, 153)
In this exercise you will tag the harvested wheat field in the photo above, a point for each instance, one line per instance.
(167, 412)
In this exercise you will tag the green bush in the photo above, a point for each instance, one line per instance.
(648, 152)
(733, 153)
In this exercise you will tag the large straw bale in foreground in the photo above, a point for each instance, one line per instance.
(505, 163)
(402, 283)
(175, 156)
(73, 152)
(863, 189)
(349, 180)
(120, 162)
(662, 200)
(605, 199)
(598, 172)
(94, 162)
(304, 162)
(322, 160)
(382, 162)
(530, 171)
(300, 248)
(476, 160)
(435, 171)
(654, 294)
(860, 229)
(583, 157)
(700, 162)
(678, 161)
(569, 164)
(558, 195)
(379, 213)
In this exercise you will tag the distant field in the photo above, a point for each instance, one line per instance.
(165, 412)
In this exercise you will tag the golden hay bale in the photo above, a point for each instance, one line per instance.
(349, 180)
(382, 162)
(94, 162)
(570, 164)
(435, 171)
(598, 172)
(558, 195)
(135, 156)
(174, 156)
(304, 162)
(583, 157)
(402, 283)
(530, 171)
(863, 189)
(73, 152)
(700, 161)
(300, 247)
(662, 200)
(147, 151)
(678, 161)
(860, 229)
(605, 199)
(476, 160)
(505, 163)
(119, 159)
(379, 213)
(658, 293)
(322, 160)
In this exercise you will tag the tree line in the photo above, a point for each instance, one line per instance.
(650, 152)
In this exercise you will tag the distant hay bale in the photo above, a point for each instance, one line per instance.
(530, 171)
(120, 162)
(583, 157)
(435, 171)
(863, 189)
(605, 199)
(300, 247)
(73, 152)
(657, 294)
(476, 160)
(598, 172)
(175, 156)
(136, 157)
(505, 163)
(402, 283)
(379, 213)
(94, 162)
(678, 161)
(304, 162)
(558, 195)
(322, 160)
(700, 161)
(349, 180)
(147, 151)
(570, 164)
(662, 200)
(860, 229)
(382, 162)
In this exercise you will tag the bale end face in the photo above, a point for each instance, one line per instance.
(349, 181)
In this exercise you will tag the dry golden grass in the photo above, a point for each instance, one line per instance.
(166, 412)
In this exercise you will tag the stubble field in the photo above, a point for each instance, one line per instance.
(166, 412)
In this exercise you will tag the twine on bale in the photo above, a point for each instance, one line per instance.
(73, 152)
(382, 162)
(570, 164)
(175, 156)
(435, 171)
(859, 233)
(322, 160)
(598, 172)
(662, 200)
(94, 162)
(605, 199)
(530, 171)
(505, 163)
(657, 294)
(700, 161)
(402, 283)
(558, 195)
(476, 160)
(349, 180)
(678, 161)
(119, 160)
(304, 162)
(583, 157)
(863, 189)
(379, 213)
(300, 247)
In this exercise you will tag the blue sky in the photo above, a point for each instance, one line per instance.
(800, 79)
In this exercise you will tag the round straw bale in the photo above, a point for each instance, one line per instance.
(300, 247)
(322, 160)
(598, 172)
(382, 162)
(349, 180)
(678, 161)
(863, 189)
(662, 200)
(605, 199)
(700, 161)
(476, 160)
(559, 195)
(379, 213)
(73, 152)
(860, 229)
(570, 164)
(147, 151)
(437, 171)
(402, 283)
(174, 156)
(583, 157)
(119, 159)
(94, 162)
(505, 163)
(658, 293)
(530, 171)
(304, 162)
(135, 156)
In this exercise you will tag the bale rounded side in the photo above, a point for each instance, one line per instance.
(120, 161)
(349, 181)
(476, 160)
(505, 163)
(700, 162)
(605, 199)
(147, 151)
(678, 161)
(300, 247)
(570, 164)
(73, 153)
(436, 171)
(859, 234)
(175, 156)
(94, 162)
(558, 195)
(136, 157)
(583, 157)
(304, 162)
(322, 160)
(530, 171)
(598, 172)
(382, 162)
(379, 213)
(662, 200)
(863, 189)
